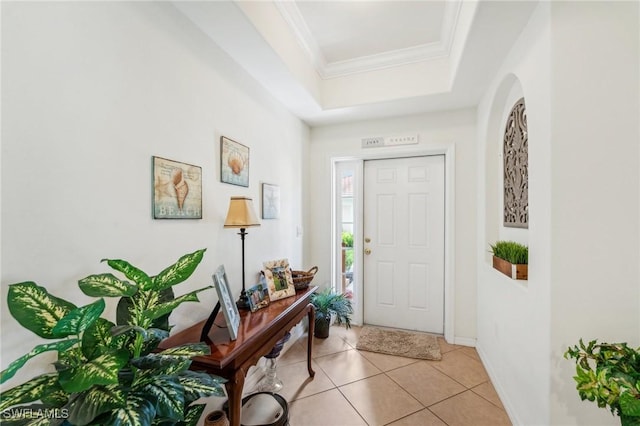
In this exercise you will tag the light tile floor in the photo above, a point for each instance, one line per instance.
(354, 387)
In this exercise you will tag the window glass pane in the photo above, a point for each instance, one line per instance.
(347, 211)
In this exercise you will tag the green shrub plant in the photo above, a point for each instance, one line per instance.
(326, 304)
(511, 251)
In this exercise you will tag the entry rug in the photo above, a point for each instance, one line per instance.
(408, 344)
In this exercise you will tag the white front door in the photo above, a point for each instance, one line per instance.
(403, 280)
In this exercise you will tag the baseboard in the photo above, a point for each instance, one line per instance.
(465, 341)
(504, 396)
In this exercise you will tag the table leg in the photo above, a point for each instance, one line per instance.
(311, 313)
(234, 392)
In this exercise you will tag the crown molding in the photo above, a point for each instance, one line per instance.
(384, 60)
(291, 14)
(450, 23)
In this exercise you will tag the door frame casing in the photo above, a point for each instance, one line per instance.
(448, 151)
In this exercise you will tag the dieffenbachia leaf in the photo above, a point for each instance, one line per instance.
(55, 397)
(98, 339)
(86, 406)
(200, 385)
(179, 271)
(130, 309)
(59, 346)
(168, 307)
(37, 310)
(76, 321)
(102, 370)
(193, 414)
(32, 415)
(153, 339)
(124, 329)
(106, 285)
(153, 365)
(126, 311)
(134, 274)
(138, 411)
(188, 350)
(29, 391)
(169, 396)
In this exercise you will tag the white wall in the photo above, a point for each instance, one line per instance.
(456, 128)
(91, 91)
(594, 193)
(577, 65)
(513, 317)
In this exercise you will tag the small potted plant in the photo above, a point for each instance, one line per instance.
(511, 259)
(328, 303)
(609, 374)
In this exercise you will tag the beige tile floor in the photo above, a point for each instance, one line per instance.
(354, 387)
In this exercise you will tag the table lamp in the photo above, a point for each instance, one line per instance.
(241, 215)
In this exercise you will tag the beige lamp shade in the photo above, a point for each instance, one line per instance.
(241, 213)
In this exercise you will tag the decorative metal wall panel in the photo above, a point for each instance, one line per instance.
(516, 165)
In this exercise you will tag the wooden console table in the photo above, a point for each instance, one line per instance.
(258, 332)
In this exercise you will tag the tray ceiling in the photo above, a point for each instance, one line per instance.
(338, 61)
(342, 37)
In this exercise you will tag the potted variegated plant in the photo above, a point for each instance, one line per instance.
(109, 373)
(609, 375)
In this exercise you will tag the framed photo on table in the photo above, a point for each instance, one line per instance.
(227, 304)
(258, 296)
(279, 280)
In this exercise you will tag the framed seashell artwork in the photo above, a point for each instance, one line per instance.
(234, 162)
(177, 190)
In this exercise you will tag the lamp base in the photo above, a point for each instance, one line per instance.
(243, 301)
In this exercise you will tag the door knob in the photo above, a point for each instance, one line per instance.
(367, 251)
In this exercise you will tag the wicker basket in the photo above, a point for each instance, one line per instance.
(301, 279)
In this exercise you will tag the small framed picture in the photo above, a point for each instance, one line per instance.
(270, 201)
(177, 190)
(277, 273)
(258, 296)
(227, 305)
(234, 162)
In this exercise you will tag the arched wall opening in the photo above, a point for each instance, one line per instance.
(507, 94)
